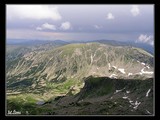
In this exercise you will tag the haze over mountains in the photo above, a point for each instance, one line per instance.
(144, 46)
(57, 71)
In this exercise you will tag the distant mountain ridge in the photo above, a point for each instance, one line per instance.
(34, 42)
(146, 47)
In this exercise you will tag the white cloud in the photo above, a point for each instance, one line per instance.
(97, 26)
(46, 26)
(65, 26)
(39, 28)
(110, 16)
(135, 10)
(37, 12)
(145, 39)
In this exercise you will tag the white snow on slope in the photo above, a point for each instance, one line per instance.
(148, 112)
(127, 91)
(125, 97)
(119, 90)
(114, 67)
(143, 63)
(136, 104)
(109, 65)
(148, 92)
(122, 70)
(131, 102)
(113, 76)
(146, 72)
(130, 74)
(91, 58)
(147, 66)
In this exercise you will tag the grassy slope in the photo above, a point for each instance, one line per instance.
(65, 53)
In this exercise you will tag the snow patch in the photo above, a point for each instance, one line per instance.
(131, 102)
(146, 72)
(138, 61)
(125, 97)
(109, 65)
(148, 112)
(127, 91)
(91, 58)
(147, 66)
(136, 104)
(148, 92)
(140, 73)
(130, 74)
(122, 70)
(142, 63)
(114, 67)
(113, 76)
(118, 91)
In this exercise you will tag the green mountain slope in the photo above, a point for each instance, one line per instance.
(41, 73)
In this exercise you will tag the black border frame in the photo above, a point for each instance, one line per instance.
(156, 35)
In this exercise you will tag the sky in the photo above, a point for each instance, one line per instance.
(129, 22)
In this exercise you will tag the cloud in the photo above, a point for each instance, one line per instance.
(39, 28)
(135, 10)
(37, 12)
(145, 39)
(46, 26)
(110, 16)
(97, 26)
(65, 26)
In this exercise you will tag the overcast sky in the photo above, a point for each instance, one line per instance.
(81, 22)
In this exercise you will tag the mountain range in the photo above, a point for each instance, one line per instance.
(47, 74)
(144, 46)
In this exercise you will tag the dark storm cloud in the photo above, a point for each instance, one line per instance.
(128, 20)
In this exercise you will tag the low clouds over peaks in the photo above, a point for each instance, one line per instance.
(148, 39)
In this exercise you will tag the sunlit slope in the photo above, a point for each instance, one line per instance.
(40, 68)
